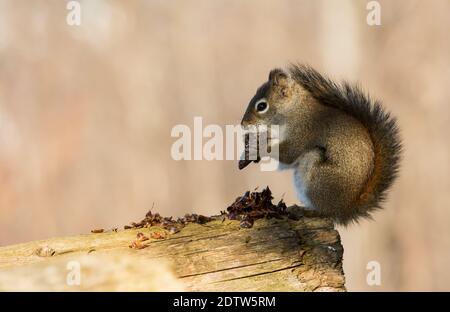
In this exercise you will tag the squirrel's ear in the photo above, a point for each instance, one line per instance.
(278, 77)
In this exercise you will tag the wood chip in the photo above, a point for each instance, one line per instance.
(45, 251)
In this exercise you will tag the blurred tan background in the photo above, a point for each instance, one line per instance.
(86, 113)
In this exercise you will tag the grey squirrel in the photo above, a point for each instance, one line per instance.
(343, 147)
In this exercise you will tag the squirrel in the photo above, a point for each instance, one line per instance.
(343, 146)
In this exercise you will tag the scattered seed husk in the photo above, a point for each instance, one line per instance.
(141, 237)
(246, 222)
(167, 223)
(246, 209)
(158, 235)
(255, 205)
(136, 244)
(97, 231)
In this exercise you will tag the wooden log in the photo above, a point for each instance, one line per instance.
(274, 255)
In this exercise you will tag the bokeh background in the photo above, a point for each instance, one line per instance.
(86, 114)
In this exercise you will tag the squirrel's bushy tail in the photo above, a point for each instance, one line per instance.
(381, 126)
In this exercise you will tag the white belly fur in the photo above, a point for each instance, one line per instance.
(302, 176)
(301, 190)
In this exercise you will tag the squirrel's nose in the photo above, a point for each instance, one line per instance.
(245, 122)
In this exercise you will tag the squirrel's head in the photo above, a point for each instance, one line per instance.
(282, 101)
(271, 102)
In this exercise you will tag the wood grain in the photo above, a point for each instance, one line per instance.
(273, 255)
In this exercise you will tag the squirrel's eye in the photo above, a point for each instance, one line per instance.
(261, 106)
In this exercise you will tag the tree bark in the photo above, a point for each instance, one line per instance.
(273, 255)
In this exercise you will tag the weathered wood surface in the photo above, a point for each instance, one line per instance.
(273, 255)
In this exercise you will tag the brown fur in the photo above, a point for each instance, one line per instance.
(343, 147)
